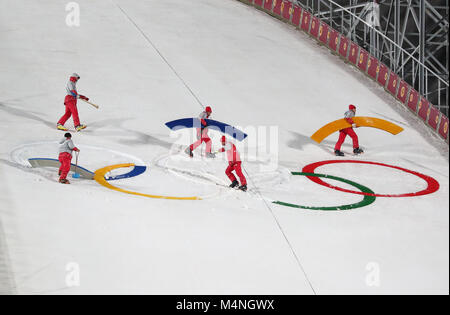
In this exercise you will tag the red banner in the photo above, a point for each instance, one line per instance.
(413, 100)
(259, 3)
(287, 10)
(277, 7)
(353, 56)
(306, 20)
(362, 61)
(433, 117)
(393, 82)
(443, 127)
(373, 67)
(315, 25)
(424, 109)
(383, 74)
(323, 33)
(402, 91)
(343, 46)
(268, 5)
(333, 39)
(297, 15)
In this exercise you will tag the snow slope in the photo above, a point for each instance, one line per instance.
(149, 62)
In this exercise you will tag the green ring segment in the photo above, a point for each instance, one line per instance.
(367, 200)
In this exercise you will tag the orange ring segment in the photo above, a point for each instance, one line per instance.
(339, 124)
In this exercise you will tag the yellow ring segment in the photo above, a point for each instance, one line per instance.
(339, 124)
(99, 177)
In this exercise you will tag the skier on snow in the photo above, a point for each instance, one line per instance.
(71, 104)
(234, 164)
(348, 131)
(65, 157)
(202, 135)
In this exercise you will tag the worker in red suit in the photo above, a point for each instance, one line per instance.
(65, 157)
(234, 164)
(202, 135)
(70, 102)
(348, 131)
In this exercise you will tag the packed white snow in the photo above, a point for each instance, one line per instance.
(145, 63)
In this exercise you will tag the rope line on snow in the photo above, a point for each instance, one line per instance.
(297, 258)
(160, 54)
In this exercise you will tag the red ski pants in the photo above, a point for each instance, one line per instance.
(235, 166)
(343, 134)
(202, 136)
(71, 110)
(65, 159)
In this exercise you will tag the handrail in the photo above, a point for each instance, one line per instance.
(390, 40)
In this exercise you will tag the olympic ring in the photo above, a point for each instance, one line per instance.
(367, 200)
(136, 171)
(99, 177)
(432, 184)
(308, 171)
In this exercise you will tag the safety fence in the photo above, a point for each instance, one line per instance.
(351, 52)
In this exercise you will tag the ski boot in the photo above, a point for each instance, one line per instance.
(188, 151)
(80, 127)
(338, 153)
(64, 181)
(234, 184)
(243, 187)
(210, 155)
(357, 151)
(61, 127)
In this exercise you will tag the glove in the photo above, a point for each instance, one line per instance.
(84, 97)
(354, 126)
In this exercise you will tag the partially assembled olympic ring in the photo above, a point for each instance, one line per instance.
(367, 200)
(432, 184)
(308, 171)
(99, 177)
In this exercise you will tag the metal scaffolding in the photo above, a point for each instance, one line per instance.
(409, 36)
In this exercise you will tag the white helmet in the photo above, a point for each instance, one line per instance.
(75, 75)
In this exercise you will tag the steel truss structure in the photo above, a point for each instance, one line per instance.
(409, 36)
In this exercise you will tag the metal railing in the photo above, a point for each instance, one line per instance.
(409, 65)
